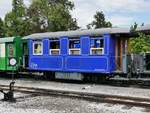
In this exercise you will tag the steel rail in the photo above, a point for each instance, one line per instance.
(105, 98)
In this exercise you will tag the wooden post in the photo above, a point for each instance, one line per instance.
(121, 53)
(116, 54)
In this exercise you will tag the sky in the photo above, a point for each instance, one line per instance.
(121, 13)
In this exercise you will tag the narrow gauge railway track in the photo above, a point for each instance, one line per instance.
(122, 82)
(105, 98)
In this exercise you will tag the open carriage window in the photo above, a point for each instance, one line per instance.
(54, 47)
(37, 48)
(74, 47)
(97, 47)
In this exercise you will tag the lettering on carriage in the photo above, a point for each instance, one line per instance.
(33, 65)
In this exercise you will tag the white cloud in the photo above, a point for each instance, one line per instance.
(123, 5)
(85, 9)
(27, 2)
(114, 5)
(5, 7)
(123, 21)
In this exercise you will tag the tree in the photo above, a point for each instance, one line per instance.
(16, 21)
(50, 15)
(99, 21)
(2, 33)
(40, 16)
(140, 44)
(133, 27)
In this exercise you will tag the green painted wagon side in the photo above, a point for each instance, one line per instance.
(10, 47)
(2, 63)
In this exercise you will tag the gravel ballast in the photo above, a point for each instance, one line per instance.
(47, 104)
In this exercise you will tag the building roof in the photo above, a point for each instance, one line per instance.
(77, 33)
(144, 29)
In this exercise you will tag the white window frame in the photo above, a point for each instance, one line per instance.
(37, 42)
(50, 51)
(74, 49)
(91, 49)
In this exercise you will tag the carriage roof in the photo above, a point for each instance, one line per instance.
(7, 39)
(77, 33)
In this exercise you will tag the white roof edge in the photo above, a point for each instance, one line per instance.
(6, 39)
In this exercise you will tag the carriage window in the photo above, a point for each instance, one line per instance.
(74, 47)
(54, 47)
(37, 48)
(97, 47)
(10, 50)
(2, 50)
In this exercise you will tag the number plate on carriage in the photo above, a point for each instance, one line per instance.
(69, 76)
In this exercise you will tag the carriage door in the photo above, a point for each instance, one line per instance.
(121, 55)
(124, 55)
(118, 55)
(25, 55)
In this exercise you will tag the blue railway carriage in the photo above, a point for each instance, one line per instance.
(72, 54)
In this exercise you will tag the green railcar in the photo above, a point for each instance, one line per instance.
(10, 47)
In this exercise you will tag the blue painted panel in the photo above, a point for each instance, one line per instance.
(107, 43)
(89, 63)
(46, 63)
(64, 45)
(85, 45)
(46, 46)
(112, 54)
(30, 47)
